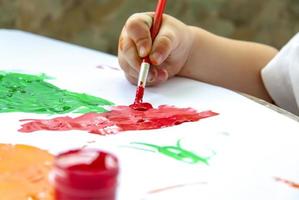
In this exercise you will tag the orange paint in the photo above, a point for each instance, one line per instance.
(24, 172)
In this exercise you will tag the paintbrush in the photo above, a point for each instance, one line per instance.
(145, 65)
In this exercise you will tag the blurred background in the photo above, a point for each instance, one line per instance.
(97, 23)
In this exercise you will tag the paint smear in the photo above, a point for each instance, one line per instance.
(120, 118)
(176, 152)
(32, 94)
(104, 67)
(24, 173)
(289, 183)
(172, 187)
(141, 106)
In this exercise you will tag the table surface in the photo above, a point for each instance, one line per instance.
(273, 107)
(250, 143)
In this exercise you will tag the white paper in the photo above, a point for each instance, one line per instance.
(250, 144)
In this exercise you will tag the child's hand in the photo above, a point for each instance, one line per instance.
(168, 52)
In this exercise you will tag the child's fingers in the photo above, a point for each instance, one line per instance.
(128, 70)
(164, 44)
(132, 79)
(138, 30)
(157, 75)
(127, 56)
(128, 50)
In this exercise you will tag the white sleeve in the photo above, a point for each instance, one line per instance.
(281, 76)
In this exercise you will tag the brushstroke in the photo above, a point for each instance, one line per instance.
(289, 183)
(177, 153)
(104, 67)
(32, 94)
(24, 172)
(120, 118)
(173, 187)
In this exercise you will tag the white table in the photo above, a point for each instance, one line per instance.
(253, 143)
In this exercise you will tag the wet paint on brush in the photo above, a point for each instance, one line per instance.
(139, 94)
(32, 94)
(120, 118)
(177, 153)
(289, 183)
(138, 102)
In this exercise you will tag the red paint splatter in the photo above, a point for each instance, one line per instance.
(290, 183)
(120, 118)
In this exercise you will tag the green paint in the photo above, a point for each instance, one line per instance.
(177, 152)
(32, 94)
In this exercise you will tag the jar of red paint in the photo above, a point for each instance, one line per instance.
(85, 174)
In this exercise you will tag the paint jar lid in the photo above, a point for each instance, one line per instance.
(85, 174)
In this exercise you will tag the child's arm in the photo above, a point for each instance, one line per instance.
(194, 53)
(229, 63)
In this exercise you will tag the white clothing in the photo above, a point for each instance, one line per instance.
(281, 76)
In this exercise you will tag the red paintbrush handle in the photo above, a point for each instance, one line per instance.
(158, 18)
(156, 23)
(145, 67)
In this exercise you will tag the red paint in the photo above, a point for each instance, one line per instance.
(290, 183)
(85, 174)
(138, 104)
(141, 106)
(120, 118)
(158, 18)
